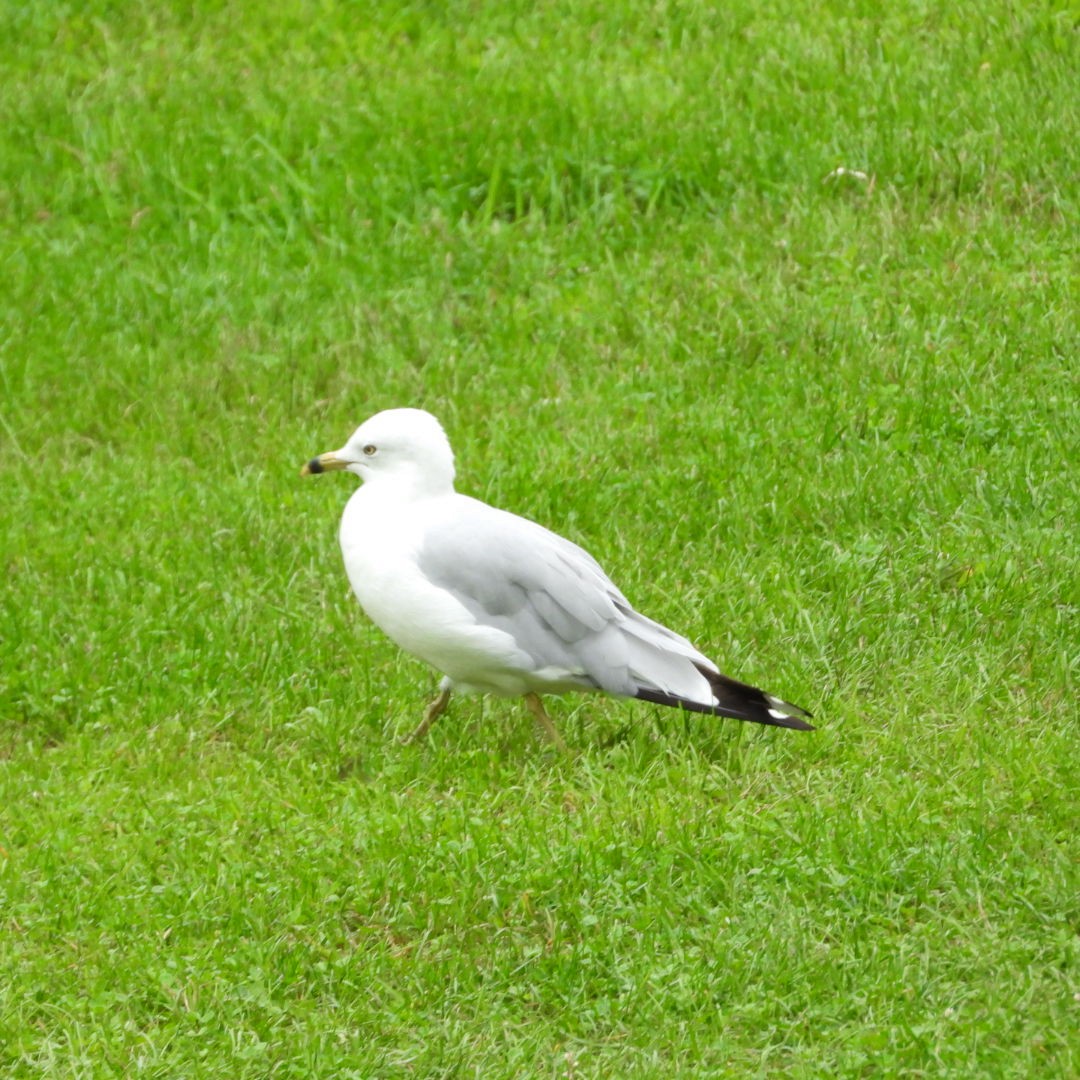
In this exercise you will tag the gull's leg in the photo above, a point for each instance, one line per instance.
(431, 713)
(536, 707)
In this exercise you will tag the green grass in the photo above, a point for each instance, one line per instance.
(827, 427)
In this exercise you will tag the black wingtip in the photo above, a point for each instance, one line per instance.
(792, 723)
(737, 700)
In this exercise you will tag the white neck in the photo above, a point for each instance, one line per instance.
(407, 485)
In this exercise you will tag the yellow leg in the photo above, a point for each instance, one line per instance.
(431, 714)
(536, 707)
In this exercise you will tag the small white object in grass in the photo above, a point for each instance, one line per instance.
(840, 170)
(500, 604)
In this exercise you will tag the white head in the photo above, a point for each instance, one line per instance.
(403, 448)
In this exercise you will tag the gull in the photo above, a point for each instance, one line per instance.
(499, 604)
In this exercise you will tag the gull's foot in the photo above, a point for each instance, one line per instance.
(536, 707)
(431, 714)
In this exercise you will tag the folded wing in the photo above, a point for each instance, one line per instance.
(570, 621)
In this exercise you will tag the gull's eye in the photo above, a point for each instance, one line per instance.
(369, 449)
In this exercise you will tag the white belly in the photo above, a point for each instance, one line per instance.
(379, 550)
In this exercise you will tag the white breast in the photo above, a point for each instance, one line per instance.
(379, 542)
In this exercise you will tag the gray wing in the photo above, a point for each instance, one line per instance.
(556, 602)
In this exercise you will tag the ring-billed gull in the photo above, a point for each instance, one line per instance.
(500, 604)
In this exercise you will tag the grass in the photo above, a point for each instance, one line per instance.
(826, 426)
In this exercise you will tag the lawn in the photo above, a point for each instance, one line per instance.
(771, 307)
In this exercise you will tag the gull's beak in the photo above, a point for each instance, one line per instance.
(323, 463)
